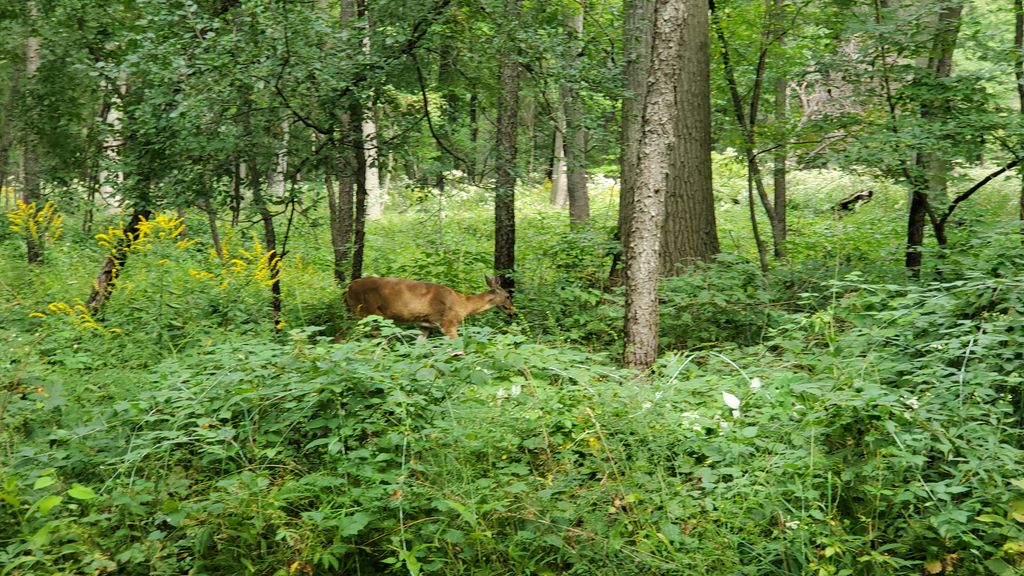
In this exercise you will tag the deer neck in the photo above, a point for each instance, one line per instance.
(476, 303)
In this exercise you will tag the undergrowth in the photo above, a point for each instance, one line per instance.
(829, 417)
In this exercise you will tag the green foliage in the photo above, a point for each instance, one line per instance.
(811, 420)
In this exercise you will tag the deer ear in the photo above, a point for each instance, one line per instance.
(490, 281)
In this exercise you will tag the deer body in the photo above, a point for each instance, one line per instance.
(424, 304)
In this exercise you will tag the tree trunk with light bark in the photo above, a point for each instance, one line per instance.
(647, 214)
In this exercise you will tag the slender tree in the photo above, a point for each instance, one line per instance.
(638, 26)
(30, 142)
(575, 141)
(559, 188)
(505, 160)
(928, 175)
(746, 116)
(1018, 72)
(781, 155)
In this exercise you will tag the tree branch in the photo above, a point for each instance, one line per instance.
(970, 191)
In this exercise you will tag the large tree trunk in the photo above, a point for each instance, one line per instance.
(30, 193)
(575, 133)
(658, 129)
(690, 232)
(638, 36)
(505, 162)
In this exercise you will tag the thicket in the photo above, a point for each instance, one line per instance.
(829, 417)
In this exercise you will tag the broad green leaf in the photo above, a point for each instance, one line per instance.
(80, 492)
(47, 503)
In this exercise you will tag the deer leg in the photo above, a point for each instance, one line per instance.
(449, 329)
(423, 334)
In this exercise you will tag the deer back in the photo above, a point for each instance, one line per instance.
(401, 300)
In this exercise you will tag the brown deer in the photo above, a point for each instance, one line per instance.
(424, 304)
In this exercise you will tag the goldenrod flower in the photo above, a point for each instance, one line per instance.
(40, 224)
(79, 313)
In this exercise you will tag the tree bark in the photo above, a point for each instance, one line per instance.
(637, 40)
(781, 156)
(1018, 72)
(647, 215)
(505, 161)
(929, 174)
(359, 225)
(237, 175)
(690, 233)
(270, 244)
(7, 138)
(211, 220)
(104, 284)
(559, 189)
(30, 193)
(575, 141)
(340, 209)
(375, 191)
(278, 176)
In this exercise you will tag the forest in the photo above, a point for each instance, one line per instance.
(757, 271)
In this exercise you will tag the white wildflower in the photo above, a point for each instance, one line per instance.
(755, 383)
(731, 401)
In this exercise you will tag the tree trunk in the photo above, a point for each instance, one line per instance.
(30, 144)
(237, 175)
(929, 175)
(359, 225)
(505, 161)
(559, 189)
(112, 146)
(375, 192)
(575, 141)
(647, 216)
(104, 284)
(340, 207)
(7, 139)
(781, 155)
(473, 170)
(211, 220)
(1018, 71)
(690, 232)
(638, 36)
(278, 176)
(270, 242)
(747, 123)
